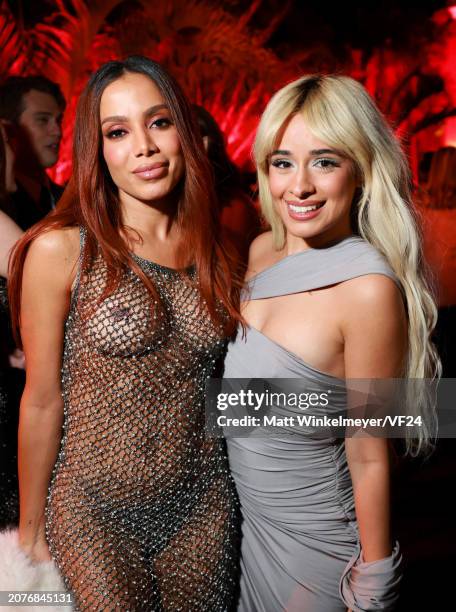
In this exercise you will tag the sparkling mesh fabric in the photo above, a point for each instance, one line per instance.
(142, 513)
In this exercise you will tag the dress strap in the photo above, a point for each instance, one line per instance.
(316, 268)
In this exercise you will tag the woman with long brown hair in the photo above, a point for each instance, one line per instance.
(123, 296)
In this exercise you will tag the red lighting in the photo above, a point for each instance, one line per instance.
(73, 41)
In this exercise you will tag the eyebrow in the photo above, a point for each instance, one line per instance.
(312, 152)
(121, 118)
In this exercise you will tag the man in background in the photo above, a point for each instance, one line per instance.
(31, 109)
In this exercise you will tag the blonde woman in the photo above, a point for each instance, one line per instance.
(334, 291)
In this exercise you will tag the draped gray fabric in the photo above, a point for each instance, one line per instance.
(300, 548)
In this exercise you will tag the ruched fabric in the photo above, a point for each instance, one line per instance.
(372, 585)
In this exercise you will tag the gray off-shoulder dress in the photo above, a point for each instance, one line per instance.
(300, 548)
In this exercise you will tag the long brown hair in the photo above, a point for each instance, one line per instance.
(91, 201)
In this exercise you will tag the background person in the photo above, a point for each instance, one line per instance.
(33, 107)
(9, 234)
(238, 215)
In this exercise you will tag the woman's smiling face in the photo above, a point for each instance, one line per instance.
(312, 184)
(141, 146)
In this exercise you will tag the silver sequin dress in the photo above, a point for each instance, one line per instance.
(142, 512)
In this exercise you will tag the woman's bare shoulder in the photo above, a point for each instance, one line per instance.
(374, 298)
(368, 289)
(57, 243)
(53, 256)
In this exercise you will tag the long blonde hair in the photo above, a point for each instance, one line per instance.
(340, 112)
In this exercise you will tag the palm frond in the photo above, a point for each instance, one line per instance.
(12, 43)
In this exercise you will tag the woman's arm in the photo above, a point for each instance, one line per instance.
(9, 234)
(48, 274)
(375, 342)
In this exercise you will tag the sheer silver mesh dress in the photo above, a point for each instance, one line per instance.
(142, 513)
